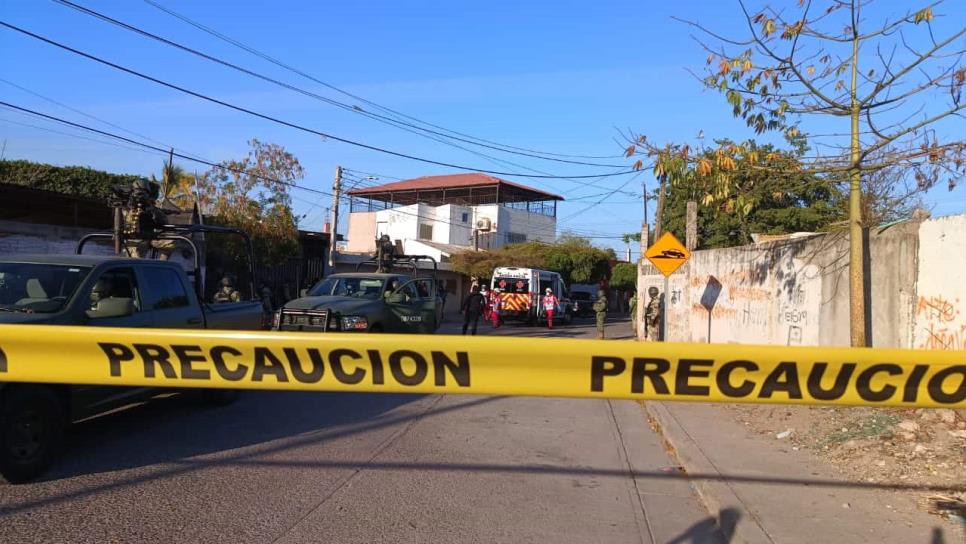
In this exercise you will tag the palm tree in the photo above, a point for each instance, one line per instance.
(628, 238)
(177, 185)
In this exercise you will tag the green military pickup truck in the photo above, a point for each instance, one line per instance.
(97, 291)
(366, 302)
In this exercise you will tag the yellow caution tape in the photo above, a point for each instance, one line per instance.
(482, 366)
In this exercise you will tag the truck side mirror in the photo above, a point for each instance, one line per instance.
(112, 307)
(397, 298)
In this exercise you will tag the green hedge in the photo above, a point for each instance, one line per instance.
(77, 181)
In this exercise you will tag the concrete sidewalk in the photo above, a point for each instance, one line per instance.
(785, 495)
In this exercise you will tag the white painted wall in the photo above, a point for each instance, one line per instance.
(755, 304)
(448, 226)
(535, 226)
(361, 237)
(940, 306)
(796, 292)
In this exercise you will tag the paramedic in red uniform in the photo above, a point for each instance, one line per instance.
(496, 304)
(550, 304)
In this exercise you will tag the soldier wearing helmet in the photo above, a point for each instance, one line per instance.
(227, 293)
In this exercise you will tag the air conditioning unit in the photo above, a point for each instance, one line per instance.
(484, 224)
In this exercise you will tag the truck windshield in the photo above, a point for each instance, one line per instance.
(350, 287)
(40, 288)
(512, 285)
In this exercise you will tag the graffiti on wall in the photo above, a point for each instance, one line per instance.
(940, 323)
(751, 305)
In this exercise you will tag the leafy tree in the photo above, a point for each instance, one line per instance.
(761, 202)
(624, 277)
(574, 258)
(629, 237)
(251, 193)
(579, 261)
(895, 83)
(78, 181)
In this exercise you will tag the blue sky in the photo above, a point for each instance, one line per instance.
(555, 76)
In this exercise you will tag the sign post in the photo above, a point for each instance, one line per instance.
(667, 255)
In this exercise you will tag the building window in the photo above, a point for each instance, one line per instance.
(466, 217)
(515, 238)
(425, 231)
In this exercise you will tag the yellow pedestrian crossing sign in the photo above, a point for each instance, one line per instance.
(667, 254)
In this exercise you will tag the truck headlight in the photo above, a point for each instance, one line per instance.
(354, 323)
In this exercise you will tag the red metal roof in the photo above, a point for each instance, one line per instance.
(451, 181)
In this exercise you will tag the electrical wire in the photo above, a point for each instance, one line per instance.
(80, 112)
(288, 123)
(301, 73)
(62, 133)
(336, 103)
(354, 109)
(194, 158)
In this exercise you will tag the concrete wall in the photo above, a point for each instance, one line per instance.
(796, 292)
(22, 238)
(940, 304)
(361, 237)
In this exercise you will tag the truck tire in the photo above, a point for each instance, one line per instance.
(32, 422)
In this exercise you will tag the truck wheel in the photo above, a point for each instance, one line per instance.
(31, 431)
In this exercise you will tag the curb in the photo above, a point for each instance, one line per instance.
(715, 494)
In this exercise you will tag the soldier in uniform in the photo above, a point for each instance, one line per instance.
(100, 291)
(601, 308)
(653, 314)
(227, 293)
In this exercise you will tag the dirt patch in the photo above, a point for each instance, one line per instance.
(877, 445)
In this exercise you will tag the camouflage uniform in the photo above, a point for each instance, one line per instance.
(601, 308)
(652, 315)
(227, 293)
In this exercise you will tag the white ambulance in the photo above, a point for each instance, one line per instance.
(521, 290)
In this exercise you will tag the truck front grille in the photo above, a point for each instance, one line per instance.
(303, 320)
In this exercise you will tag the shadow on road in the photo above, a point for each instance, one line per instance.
(711, 530)
(274, 414)
(644, 475)
(178, 426)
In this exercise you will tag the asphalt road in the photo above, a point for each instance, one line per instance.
(303, 467)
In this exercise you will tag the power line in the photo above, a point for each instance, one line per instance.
(159, 149)
(62, 133)
(288, 123)
(401, 125)
(80, 112)
(266, 57)
(336, 103)
(373, 174)
(185, 156)
(163, 151)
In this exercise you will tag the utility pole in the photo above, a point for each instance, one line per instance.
(691, 229)
(334, 232)
(659, 214)
(641, 327)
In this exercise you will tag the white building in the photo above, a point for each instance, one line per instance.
(442, 215)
